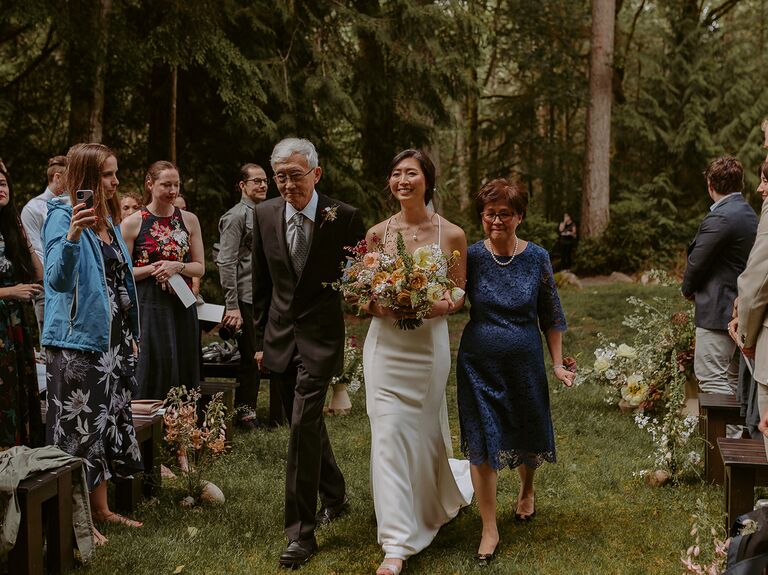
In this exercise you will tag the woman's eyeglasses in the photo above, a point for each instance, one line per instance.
(504, 217)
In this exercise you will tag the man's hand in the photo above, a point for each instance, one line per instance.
(763, 425)
(258, 357)
(733, 330)
(232, 318)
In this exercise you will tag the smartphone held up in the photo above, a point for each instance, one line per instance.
(85, 197)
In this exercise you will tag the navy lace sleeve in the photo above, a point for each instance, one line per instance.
(550, 311)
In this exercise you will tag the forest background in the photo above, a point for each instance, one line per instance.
(490, 88)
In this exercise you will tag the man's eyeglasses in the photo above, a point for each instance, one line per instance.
(293, 176)
(490, 217)
(257, 181)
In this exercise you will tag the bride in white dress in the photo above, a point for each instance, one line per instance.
(416, 489)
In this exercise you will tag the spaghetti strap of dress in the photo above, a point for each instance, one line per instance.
(386, 231)
(439, 229)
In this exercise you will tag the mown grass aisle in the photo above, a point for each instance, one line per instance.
(593, 516)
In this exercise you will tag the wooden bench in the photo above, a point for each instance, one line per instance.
(230, 370)
(717, 410)
(745, 467)
(45, 501)
(149, 434)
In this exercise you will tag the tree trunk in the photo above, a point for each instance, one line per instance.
(595, 199)
(473, 143)
(174, 98)
(160, 107)
(88, 42)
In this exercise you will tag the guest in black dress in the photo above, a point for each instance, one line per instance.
(165, 241)
(20, 420)
(566, 240)
(502, 382)
(91, 329)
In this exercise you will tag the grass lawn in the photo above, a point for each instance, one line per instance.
(593, 516)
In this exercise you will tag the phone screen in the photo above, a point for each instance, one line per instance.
(85, 197)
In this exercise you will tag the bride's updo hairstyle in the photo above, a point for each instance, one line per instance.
(427, 167)
(502, 190)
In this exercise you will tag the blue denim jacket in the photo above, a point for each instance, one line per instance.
(77, 312)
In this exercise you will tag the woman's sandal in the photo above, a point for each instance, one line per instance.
(98, 539)
(391, 567)
(119, 519)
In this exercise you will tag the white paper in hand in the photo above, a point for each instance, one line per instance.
(176, 281)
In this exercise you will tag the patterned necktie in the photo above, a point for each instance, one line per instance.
(300, 249)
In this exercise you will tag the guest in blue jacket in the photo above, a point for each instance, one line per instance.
(91, 329)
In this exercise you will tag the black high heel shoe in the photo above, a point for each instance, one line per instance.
(525, 518)
(486, 558)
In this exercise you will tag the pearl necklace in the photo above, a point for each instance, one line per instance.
(493, 255)
(416, 231)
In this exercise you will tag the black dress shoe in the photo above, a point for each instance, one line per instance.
(328, 514)
(298, 552)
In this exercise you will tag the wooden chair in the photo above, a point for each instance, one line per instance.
(717, 410)
(45, 500)
(149, 434)
(745, 467)
(229, 371)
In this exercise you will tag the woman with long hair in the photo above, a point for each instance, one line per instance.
(165, 241)
(20, 417)
(91, 328)
(416, 489)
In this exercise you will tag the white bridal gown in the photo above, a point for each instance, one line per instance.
(416, 488)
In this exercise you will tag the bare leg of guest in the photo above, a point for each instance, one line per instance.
(101, 512)
(484, 479)
(526, 505)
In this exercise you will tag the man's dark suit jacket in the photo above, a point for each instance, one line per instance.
(300, 313)
(716, 257)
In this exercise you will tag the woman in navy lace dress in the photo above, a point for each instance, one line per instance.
(502, 382)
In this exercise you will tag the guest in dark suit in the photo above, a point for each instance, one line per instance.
(716, 257)
(298, 248)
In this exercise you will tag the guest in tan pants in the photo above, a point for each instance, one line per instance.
(749, 327)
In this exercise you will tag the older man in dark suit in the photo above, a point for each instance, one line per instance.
(298, 248)
(716, 257)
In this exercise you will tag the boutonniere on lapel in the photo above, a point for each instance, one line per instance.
(329, 214)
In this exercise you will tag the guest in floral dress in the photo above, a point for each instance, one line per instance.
(20, 419)
(165, 241)
(91, 329)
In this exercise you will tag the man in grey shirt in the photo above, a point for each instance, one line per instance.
(234, 262)
(33, 216)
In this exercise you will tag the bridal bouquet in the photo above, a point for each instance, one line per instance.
(407, 283)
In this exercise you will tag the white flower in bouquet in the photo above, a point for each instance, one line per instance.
(456, 294)
(601, 364)
(611, 374)
(424, 257)
(626, 351)
(635, 390)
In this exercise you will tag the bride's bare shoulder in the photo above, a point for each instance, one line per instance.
(451, 230)
(378, 229)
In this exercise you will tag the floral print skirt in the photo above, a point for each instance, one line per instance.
(20, 415)
(89, 408)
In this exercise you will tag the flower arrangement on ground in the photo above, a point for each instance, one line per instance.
(195, 445)
(637, 375)
(650, 376)
(407, 283)
(700, 559)
(352, 373)
(349, 380)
